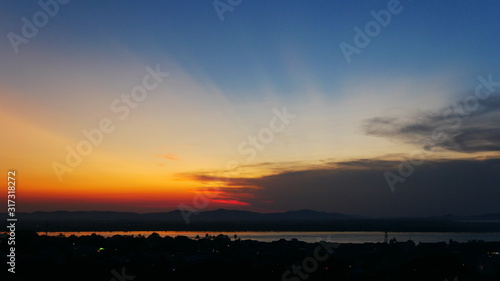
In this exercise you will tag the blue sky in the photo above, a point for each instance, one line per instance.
(263, 41)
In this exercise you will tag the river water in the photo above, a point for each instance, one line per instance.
(338, 236)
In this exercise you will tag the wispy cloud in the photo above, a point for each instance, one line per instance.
(169, 156)
(474, 131)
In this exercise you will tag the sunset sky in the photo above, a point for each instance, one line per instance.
(431, 70)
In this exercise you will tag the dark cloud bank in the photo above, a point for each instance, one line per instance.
(460, 187)
(462, 127)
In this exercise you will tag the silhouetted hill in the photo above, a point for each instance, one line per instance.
(228, 215)
(492, 216)
(78, 215)
(207, 216)
(484, 217)
(309, 215)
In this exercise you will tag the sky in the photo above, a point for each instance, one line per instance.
(381, 108)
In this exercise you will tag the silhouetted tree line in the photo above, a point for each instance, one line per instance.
(221, 257)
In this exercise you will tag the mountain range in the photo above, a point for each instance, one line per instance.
(237, 220)
(222, 215)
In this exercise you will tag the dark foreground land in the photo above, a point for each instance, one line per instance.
(122, 258)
